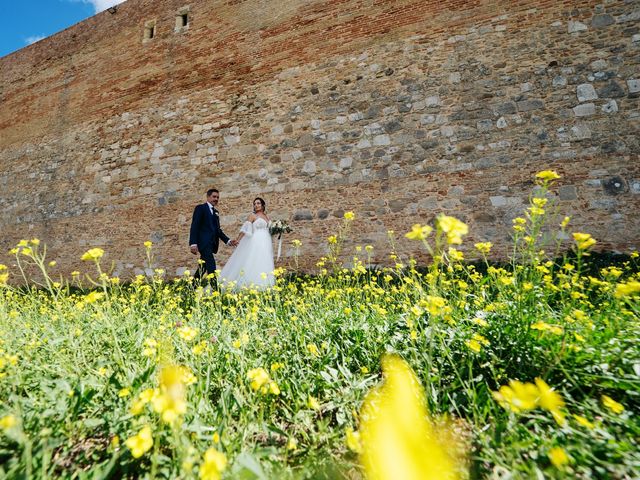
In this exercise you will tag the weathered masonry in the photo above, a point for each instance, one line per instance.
(111, 131)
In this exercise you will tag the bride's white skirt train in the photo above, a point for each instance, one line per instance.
(251, 264)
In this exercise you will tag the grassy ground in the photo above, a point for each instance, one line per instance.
(528, 370)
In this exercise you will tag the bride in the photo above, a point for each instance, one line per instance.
(251, 263)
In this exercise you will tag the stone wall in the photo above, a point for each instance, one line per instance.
(397, 110)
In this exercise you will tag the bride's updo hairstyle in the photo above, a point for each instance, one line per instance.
(262, 202)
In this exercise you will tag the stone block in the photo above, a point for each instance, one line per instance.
(529, 105)
(586, 92)
(634, 85)
(302, 214)
(584, 110)
(611, 90)
(581, 131)
(575, 26)
(498, 201)
(309, 168)
(567, 192)
(380, 140)
(602, 21)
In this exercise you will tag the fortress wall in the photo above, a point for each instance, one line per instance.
(397, 110)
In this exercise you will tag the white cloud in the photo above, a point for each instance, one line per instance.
(100, 5)
(34, 39)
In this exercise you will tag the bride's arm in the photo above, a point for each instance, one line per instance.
(247, 228)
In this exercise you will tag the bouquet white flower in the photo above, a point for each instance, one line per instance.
(278, 227)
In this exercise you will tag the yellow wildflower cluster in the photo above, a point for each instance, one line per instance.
(261, 381)
(583, 240)
(520, 397)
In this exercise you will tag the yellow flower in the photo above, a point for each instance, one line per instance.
(93, 297)
(124, 392)
(313, 403)
(258, 377)
(8, 421)
(455, 254)
(550, 400)
(332, 239)
(313, 349)
(187, 333)
(353, 441)
(474, 345)
(558, 457)
(453, 228)
(296, 243)
(171, 399)
(583, 421)
(216, 437)
(148, 244)
(484, 247)
(213, 465)
(274, 389)
(547, 175)
(583, 240)
(93, 254)
(141, 443)
(628, 289)
(517, 396)
(612, 405)
(349, 216)
(398, 439)
(419, 232)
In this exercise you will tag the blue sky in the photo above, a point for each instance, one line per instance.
(26, 21)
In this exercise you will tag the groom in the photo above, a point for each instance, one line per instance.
(205, 233)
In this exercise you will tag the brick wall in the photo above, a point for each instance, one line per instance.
(397, 110)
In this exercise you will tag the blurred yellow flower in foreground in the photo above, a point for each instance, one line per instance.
(612, 405)
(349, 215)
(558, 457)
(141, 443)
(93, 254)
(453, 227)
(397, 436)
(171, 400)
(7, 422)
(214, 464)
(419, 232)
(632, 287)
(519, 397)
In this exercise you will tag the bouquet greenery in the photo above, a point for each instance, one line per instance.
(278, 227)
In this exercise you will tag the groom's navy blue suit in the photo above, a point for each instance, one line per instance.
(206, 233)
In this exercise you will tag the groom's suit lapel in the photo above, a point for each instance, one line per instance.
(213, 217)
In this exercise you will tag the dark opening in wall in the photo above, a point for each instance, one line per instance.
(149, 30)
(182, 19)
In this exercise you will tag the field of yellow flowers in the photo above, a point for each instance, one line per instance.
(452, 371)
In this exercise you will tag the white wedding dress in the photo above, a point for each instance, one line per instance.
(251, 263)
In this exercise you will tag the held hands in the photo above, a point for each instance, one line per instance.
(233, 243)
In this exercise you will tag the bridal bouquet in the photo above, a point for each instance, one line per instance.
(278, 227)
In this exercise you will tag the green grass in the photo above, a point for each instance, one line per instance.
(66, 358)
